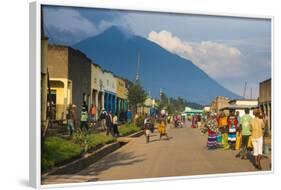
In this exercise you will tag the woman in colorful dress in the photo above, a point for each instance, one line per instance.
(212, 127)
(223, 128)
(232, 127)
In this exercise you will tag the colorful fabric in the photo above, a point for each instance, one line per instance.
(245, 123)
(238, 141)
(162, 129)
(212, 125)
(232, 126)
(212, 140)
(225, 141)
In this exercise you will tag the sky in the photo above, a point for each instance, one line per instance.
(231, 50)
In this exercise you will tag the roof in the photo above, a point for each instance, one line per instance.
(234, 100)
(238, 107)
(265, 81)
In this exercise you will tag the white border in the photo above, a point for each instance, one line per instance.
(35, 54)
(35, 86)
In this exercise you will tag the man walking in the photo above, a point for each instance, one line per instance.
(103, 119)
(109, 123)
(84, 119)
(245, 122)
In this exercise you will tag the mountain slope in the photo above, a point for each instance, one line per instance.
(117, 51)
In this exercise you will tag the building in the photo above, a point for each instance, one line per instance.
(70, 78)
(206, 108)
(190, 111)
(149, 107)
(241, 104)
(121, 95)
(265, 99)
(109, 83)
(218, 103)
(97, 87)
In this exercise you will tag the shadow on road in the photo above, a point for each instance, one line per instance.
(112, 160)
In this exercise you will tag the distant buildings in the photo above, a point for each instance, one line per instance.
(241, 104)
(219, 103)
(265, 99)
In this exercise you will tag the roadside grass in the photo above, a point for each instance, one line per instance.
(57, 150)
(60, 150)
(128, 129)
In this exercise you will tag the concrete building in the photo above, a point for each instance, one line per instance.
(121, 95)
(70, 77)
(241, 104)
(97, 87)
(148, 107)
(109, 91)
(218, 103)
(265, 99)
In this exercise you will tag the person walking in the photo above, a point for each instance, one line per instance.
(257, 126)
(109, 123)
(102, 118)
(84, 119)
(70, 120)
(245, 132)
(147, 128)
(162, 129)
(232, 128)
(223, 128)
(93, 112)
(115, 126)
(212, 129)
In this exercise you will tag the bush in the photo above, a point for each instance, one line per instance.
(140, 121)
(128, 129)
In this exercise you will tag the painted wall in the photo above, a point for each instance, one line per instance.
(121, 90)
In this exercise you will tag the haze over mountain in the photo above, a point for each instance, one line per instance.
(117, 50)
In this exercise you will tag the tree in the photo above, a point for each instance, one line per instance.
(136, 96)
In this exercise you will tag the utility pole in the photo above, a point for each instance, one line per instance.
(251, 93)
(244, 91)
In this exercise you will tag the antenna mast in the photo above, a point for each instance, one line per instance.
(138, 69)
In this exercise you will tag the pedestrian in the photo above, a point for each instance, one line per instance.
(115, 126)
(232, 128)
(257, 126)
(84, 119)
(102, 118)
(85, 105)
(223, 128)
(162, 129)
(147, 129)
(70, 120)
(245, 122)
(212, 127)
(109, 123)
(93, 112)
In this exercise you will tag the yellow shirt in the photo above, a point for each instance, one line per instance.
(257, 126)
(222, 121)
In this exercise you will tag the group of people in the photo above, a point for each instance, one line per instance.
(149, 127)
(243, 133)
(108, 120)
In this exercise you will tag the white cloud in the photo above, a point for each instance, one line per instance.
(217, 59)
(69, 19)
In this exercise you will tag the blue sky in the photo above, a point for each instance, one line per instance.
(231, 50)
